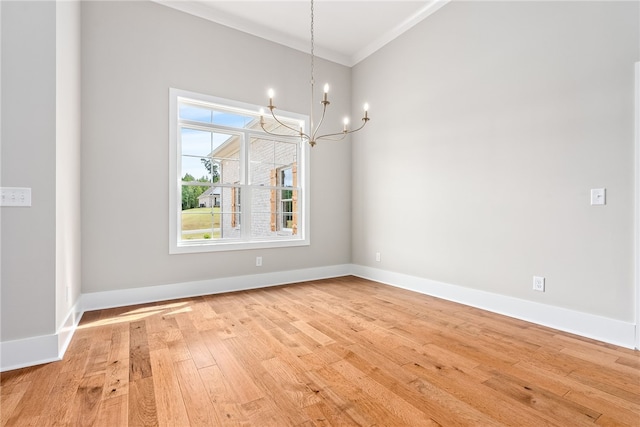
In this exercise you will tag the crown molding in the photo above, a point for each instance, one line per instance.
(201, 10)
(432, 7)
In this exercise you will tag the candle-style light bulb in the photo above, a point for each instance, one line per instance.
(326, 91)
(301, 127)
(366, 110)
(262, 116)
(271, 93)
(346, 122)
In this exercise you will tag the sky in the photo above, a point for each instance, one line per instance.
(200, 143)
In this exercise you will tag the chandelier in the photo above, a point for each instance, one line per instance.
(313, 136)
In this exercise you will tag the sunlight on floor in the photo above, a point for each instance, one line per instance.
(138, 314)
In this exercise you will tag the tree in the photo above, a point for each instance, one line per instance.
(190, 193)
(212, 167)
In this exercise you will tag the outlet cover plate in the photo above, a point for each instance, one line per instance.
(14, 196)
(598, 196)
(538, 283)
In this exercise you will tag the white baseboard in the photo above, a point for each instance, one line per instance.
(41, 349)
(587, 325)
(68, 327)
(125, 297)
(28, 352)
(48, 348)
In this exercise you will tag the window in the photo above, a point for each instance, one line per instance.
(233, 186)
(286, 220)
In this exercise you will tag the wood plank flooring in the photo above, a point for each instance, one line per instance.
(336, 352)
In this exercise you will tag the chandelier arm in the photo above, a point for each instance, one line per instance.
(297, 131)
(282, 135)
(343, 133)
(314, 132)
(364, 122)
(332, 137)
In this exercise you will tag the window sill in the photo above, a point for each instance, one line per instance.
(200, 247)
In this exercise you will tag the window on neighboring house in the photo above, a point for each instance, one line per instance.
(233, 185)
(284, 216)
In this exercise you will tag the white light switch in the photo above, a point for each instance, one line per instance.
(598, 196)
(12, 196)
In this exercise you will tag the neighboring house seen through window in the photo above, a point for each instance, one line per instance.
(233, 185)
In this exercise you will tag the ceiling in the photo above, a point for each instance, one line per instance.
(345, 32)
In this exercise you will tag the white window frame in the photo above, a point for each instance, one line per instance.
(245, 242)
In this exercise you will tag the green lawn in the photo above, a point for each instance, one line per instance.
(200, 219)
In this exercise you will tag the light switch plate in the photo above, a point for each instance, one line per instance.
(598, 196)
(14, 196)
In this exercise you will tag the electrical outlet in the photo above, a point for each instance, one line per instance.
(258, 261)
(598, 196)
(378, 256)
(538, 283)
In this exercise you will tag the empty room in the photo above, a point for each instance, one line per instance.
(320, 213)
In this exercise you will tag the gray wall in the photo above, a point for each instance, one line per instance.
(493, 122)
(132, 53)
(28, 234)
(41, 150)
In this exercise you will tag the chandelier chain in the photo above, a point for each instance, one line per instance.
(312, 44)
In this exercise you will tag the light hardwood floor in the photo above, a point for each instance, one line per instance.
(336, 352)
